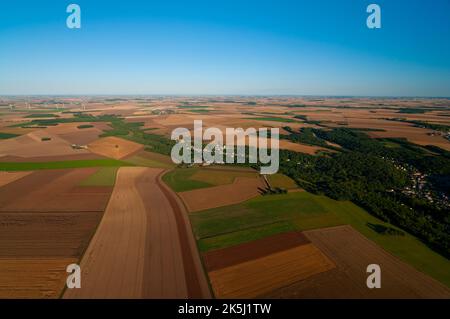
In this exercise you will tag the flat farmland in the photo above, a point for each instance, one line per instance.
(300, 211)
(114, 147)
(242, 189)
(192, 178)
(259, 276)
(9, 177)
(46, 235)
(33, 278)
(106, 207)
(150, 159)
(38, 144)
(352, 253)
(226, 257)
(55, 190)
(46, 223)
(137, 250)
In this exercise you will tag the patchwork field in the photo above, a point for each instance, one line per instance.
(138, 223)
(352, 253)
(38, 144)
(56, 190)
(68, 195)
(9, 177)
(269, 215)
(192, 178)
(46, 223)
(242, 189)
(114, 147)
(256, 277)
(234, 255)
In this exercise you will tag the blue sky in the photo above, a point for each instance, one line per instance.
(251, 47)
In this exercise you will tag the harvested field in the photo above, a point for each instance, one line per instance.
(33, 277)
(352, 253)
(83, 137)
(35, 145)
(9, 177)
(136, 251)
(253, 278)
(46, 235)
(413, 134)
(44, 159)
(222, 258)
(54, 190)
(301, 148)
(114, 147)
(242, 189)
(74, 135)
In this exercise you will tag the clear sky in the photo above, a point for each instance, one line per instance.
(255, 47)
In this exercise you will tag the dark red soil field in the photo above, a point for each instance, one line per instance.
(230, 256)
(352, 253)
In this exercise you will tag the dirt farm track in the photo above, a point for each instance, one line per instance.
(140, 249)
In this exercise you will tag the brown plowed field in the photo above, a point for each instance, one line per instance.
(54, 190)
(352, 253)
(46, 235)
(136, 251)
(114, 147)
(242, 189)
(9, 177)
(260, 276)
(37, 245)
(12, 192)
(222, 258)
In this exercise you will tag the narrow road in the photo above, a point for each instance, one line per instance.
(143, 247)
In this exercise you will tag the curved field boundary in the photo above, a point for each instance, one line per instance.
(195, 276)
(241, 190)
(141, 248)
(352, 252)
(256, 277)
(222, 258)
(9, 177)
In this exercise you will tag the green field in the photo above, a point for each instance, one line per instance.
(17, 166)
(245, 235)
(273, 119)
(180, 180)
(5, 136)
(139, 160)
(40, 115)
(281, 181)
(105, 176)
(193, 106)
(232, 225)
(199, 111)
(185, 179)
